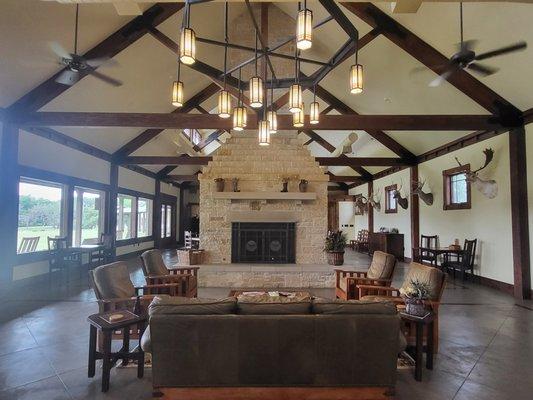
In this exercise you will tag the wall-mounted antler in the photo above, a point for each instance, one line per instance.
(402, 201)
(489, 188)
(426, 197)
(375, 201)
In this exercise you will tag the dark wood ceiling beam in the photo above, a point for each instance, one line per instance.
(342, 122)
(163, 172)
(165, 160)
(430, 57)
(182, 178)
(344, 178)
(333, 9)
(109, 47)
(360, 161)
(209, 139)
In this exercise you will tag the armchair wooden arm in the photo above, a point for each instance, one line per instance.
(341, 274)
(172, 289)
(368, 282)
(387, 291)
(177, 270)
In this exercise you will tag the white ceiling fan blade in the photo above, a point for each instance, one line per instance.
(96, 62)
(68, 77)
(439, 80)
(59, 50)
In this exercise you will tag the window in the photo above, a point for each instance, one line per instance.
(125, 217)
(88, 221)
(193, 135)
(41, 206)
(144, 217)
(166, 220)
(391, 205)
(456, 188)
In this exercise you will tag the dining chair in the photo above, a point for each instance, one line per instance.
(464, 262)
(188, 239)
(60, 259)
(28, 244)
(427, 241)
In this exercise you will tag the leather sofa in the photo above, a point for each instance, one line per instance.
(272, 348)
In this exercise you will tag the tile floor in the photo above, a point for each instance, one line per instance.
(486, 345)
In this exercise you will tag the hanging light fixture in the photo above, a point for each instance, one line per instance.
(295, 91)
(271, 114)
(177, 90)
(356, 76)
(187, 39)
(224, 99)
(298, 118)
(314, 110)
(304, 28)
(256, 84)
(264, 124)
(239, 112)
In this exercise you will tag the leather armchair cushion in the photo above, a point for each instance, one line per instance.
(154, 264)
(191, 306)
(113, 281)
(382, 266)
(327, 306)
(433, 277)
(273, 305)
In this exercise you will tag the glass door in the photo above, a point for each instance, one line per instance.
(89, 214)
(168, 223)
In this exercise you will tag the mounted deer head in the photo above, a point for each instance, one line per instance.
(361, 203)
(402, 201)
(375, 201)
(489, 188)
(426, 197)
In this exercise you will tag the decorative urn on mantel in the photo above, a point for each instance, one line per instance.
(334, 247)
(219, 184)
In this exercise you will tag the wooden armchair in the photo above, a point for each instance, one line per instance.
(156, 272)
(114, 291)
(379, 274)
(433, 277)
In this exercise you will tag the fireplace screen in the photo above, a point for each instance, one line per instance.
(263, 242)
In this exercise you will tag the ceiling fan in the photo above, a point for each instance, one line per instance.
(466, 58)
(75, 64)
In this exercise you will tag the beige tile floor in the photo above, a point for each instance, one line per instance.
(486, 348)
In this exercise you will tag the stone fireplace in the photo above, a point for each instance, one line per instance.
(278, 227)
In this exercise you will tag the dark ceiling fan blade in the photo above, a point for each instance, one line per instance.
(105, 78)
(96, 62)
(504, 50)
(439, 80)
(484, 70)
(68, 77)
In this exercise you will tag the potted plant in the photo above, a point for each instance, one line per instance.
(414, 296)
(334, 245)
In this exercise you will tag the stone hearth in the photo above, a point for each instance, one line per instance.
(260, 170)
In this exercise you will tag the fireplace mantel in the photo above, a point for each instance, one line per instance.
(265, 196)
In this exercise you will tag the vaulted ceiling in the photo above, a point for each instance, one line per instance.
(147, 69)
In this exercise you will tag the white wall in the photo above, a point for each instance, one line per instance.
(529, 150)
(400, 220)
(360, 221)
(132, 180)
(347, 218)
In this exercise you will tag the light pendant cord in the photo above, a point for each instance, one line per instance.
(225, 41)
(256, 52)
(76, 29)
(461, 19)
(179, 68)
(239, 100)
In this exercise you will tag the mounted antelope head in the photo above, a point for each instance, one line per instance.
(426, 197)
(375, 201)
(361, 203)
(402, 201)
(489, 188)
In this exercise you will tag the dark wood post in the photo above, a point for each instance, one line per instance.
(8, 200)
(181, 210)
(519, 213)
(415, 212)
(370, 208)
(157, 215)
(111, 227)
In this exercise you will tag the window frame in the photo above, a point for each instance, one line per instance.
(446, 189)
(101, 216)
(135, 239)
(150, 217)
(388, 208)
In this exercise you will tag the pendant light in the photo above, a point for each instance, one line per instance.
(187, 38)
(298, 118)
(239, 112)
(264, 124)
(314, 110)
(304, 28)
(256, 84)
(272, 116)
(224, 99)
(295, 91)
(177, 90)
(356, 76)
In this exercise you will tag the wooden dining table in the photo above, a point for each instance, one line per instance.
(89, 249)
(437, 251)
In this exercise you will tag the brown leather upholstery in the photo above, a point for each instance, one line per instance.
(433, 277)
(382, 266)
(153, 263)
(112, 281)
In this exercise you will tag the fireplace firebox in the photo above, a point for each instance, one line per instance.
(263, 242)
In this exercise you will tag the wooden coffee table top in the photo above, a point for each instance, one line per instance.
(283, 293)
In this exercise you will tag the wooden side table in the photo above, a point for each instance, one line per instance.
(419, 323)
(109, 359)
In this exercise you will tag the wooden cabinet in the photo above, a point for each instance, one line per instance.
(391, 243)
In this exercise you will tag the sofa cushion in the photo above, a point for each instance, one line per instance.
(433, 277)
(113, 281)
(153, 262)
(382, 266)
(191, 306)
(327, 306)
(146, 340)
(273, 305)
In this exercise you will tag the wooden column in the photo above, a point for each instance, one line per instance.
(519, 213)
(157, 215)
(181, 206)
(415, 212)
(111, 226)
(370, 208)
(8, 200)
